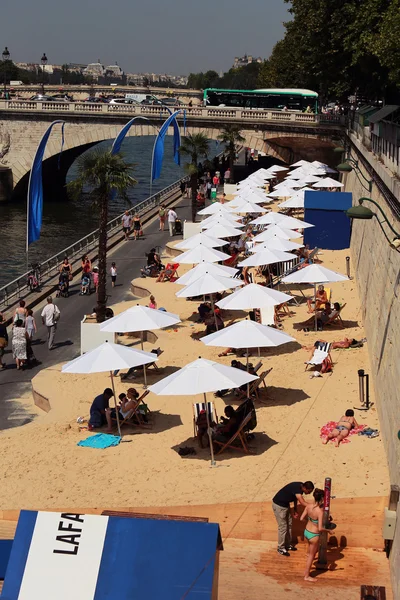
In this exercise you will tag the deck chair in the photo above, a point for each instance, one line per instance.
(336, 319)
(173, 275)
(321, 352)
(267, 316)
(238, 437)
(212, 413)
(232, 261)
(136, 416)
(254, 387)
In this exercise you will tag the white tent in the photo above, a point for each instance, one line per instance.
(249, 208)
(230, 219)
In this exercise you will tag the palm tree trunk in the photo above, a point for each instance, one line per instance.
(193, 187)
(232, 156)
(102, 262)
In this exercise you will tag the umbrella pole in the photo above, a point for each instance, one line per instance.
(144, 366)
(247, 369)
(213, 463)
(115, 402)
(213, 309)
(315, 305)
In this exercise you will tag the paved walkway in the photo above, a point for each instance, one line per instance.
(130, 258)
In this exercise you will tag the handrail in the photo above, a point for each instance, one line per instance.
(50, 266)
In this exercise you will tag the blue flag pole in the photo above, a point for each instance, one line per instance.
(34, 209)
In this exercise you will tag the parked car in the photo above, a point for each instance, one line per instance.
(123, 101)
(96, 99)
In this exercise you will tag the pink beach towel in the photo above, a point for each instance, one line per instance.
(330, 426)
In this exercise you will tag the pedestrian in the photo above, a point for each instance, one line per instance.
(137, 227)
(292, 492)
(19, 343)
(30, 325)
(3, 340)
(20, 312)
(183, 187)
(126, 224)
(50, 317)
(95, 276)
(161, 216)
(227, 175)
(86, 265)
(215, 181)
(172, 216)
(113, 272)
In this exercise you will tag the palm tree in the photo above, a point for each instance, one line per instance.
(232, 138)
(107, 175)
(196, 147)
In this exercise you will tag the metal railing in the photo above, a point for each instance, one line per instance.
(49, 268)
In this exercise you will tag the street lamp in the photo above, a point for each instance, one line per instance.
(350, 164)
(43, 60)
(6, 57)
(363, 212)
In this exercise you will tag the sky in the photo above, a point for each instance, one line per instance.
(159, 36)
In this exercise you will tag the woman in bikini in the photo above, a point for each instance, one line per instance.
(343, 428)
(313, 512)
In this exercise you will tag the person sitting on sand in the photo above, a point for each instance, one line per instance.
(201, 424)
(228, 426)
(321, 298)
(99, 409)
(342, 429)
(322, 317)
(213, 322)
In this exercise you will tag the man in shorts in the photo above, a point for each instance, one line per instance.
(126, 224)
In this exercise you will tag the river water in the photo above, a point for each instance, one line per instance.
(66, 221)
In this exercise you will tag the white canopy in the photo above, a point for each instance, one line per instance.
(277, 168)
(200, 238)
(223, 231)
(328, 183)
(202, 268)
(282, 221)
(276, 231)
(252, 296)
(231, 219)
(208, 284)
(314, 274)
(140, 318)
(201, 254)
(266, 257)
(247, 334)
(108, 357)
(248, 207)
(300, 163)
(217, 207)
(282, 192)
(297, 200)
(276, 243)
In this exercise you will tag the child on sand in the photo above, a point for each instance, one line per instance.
(113, 272)
(152, 303)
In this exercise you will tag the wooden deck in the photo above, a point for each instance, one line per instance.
(250, 567)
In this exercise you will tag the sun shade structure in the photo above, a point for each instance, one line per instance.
(217, 207)
(109, 357)
(223, 231)
(248, 207)
(283, 192)
(199, 377)
(247, 334)
(208, 284)
(200, 238)
(253, 296)
(276, 243)
(283, 221)
(201, 254)
(297, 200)
(276, 231)
(231, 220)
(68, 556)
(203, 268)
(140, 318)
(328, 182)
(266, 257)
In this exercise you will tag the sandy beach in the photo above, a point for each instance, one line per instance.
(42, 466)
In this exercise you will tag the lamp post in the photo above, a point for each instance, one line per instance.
(6, 57)
(43, 60)
(363, 212)
(349, 165)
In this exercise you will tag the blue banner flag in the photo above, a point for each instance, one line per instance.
(35, 190)
(116, 147)
(158, 150)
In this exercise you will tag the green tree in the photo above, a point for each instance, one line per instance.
(232, 138)
(106, 175)
(195, 147)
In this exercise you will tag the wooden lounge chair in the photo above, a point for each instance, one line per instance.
(321, 352)
(198, 407)
(336, 319)
(238, 437)
(254, 387)
(135, 417)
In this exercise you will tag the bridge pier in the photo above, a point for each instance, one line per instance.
(6, 184)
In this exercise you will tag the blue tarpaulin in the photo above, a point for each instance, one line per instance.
(326, 210)
(67, 556)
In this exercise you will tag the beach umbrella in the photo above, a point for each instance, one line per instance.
(288, 182)
(202, 268)
(327, 183)
(297, 200)
(223, 231)
(200, 254)
(215, 208)
(253, 296)
(277, 168)
(200, 238)
(314, 274)
(249, 207)
(282, 192)
(208, 283)
(266, 257)
(109, 357)
(140, 318)
(282, 221)
(323, 166)
(230, 219)
(275, 243)
(199, 377)
(276, 231)
(300, 163)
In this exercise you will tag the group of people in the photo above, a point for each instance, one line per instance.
(172, 218)
(128, 221)
(101, 414)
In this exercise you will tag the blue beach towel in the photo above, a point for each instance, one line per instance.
(100, 440)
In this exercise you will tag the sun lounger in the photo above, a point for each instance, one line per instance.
(171, 272)
(198, 407)
(136, 416)
(336, 319)
(238, 440)
(321, 352)
(267, 316)
(254, 386)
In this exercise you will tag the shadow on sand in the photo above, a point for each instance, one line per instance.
(260, 444)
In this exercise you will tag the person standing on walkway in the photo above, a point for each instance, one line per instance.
(3, 341)
(161, 216)
(19, 343)
(126, 224)
(292, 492)
(113, 272)
(21, 312)
(137, 227)
(50, 316)
(30, 325)
(172, 216)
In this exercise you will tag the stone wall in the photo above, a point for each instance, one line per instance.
(377, 269)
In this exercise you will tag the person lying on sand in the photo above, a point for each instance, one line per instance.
(342, 429)
(346, 343)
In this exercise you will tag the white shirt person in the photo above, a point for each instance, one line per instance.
(172, 216)
(50, 315)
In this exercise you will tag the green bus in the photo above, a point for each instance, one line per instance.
(265, 99)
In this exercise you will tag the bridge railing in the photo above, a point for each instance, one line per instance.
(197, 112)
(50, 267)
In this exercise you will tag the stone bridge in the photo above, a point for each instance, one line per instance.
(286, 136)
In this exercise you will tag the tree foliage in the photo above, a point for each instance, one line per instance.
(242, 78)
(232, 139)
(195, 147)
(337, 48)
